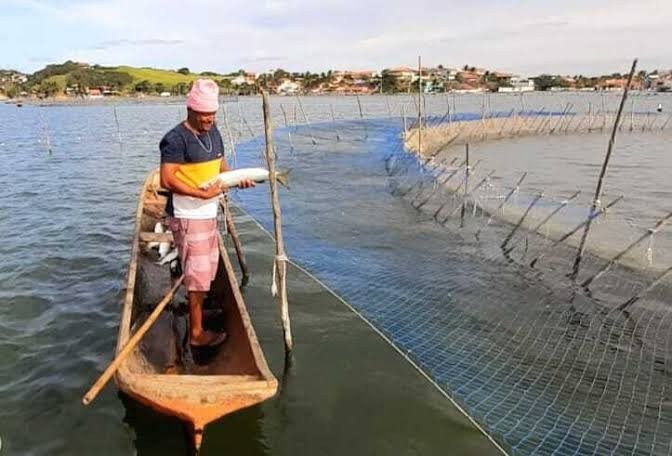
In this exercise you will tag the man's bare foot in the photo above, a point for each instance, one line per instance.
(207, 339)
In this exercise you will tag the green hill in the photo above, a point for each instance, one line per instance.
(156, 76)
(79, 78)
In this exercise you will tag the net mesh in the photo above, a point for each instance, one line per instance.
(467, 273)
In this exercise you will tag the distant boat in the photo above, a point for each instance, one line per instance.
(18, 105)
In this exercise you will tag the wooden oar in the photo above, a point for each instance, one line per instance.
(130, 345)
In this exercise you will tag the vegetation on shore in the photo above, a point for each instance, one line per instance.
(81, 79)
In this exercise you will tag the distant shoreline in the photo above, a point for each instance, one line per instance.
(179, 99)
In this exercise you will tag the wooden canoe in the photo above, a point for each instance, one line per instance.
(233, 376)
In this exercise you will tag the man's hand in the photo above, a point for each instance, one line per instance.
(212, 191)
(246, 183)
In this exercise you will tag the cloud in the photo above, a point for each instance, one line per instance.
(262, 59)
(519, 36)
(108, 44)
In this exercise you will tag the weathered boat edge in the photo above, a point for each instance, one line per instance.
(230, 395)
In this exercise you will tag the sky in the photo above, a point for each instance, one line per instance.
(524, 37)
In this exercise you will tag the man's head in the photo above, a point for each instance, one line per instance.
(202, 104)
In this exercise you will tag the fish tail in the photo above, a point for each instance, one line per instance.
(283, 177)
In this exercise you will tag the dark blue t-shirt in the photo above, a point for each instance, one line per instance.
(180, 145)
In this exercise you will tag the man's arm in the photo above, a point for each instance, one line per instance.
(170, 182)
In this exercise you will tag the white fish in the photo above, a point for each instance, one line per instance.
(168, 257)
(164, 248)
(235, 177)
(158, 228)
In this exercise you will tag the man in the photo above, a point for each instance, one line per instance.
(193, 153)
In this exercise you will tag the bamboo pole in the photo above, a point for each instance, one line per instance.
(361, 116)
(603, 172)
(280, 262)
(240, 119)
(504, 123)
(47, 138)
(641, 239)
(480, 184)
(130, 345)
(651, 286)
(289, 131)
(229, 135)
(419, 106)
(562, 118)
(555, 211)
(466, 187)
(666, 122)
(604, 112)
(520, 221)
(305, 118)
(457, 189)
(116, 121)
(588, 220)
(506, 199)
(333, 120)
(237, 245)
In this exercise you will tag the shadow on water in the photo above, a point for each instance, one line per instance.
(159, 434)
(155, 433)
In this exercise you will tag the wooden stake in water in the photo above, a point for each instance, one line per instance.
(289, 131)
(641, 239)
(280, 269)
(503, 203)
(466, 186)
(555, 211)
(361, 116)
(116, 121)
(651, 286)
(419, 106)
(47, 138)
(229, 135)
(520, 222)
(333, 120)
(305, 118)
(588, 220)
(603, 172)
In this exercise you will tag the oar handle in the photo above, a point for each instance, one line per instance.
(130, 345)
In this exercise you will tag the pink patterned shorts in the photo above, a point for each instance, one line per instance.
(197, 244)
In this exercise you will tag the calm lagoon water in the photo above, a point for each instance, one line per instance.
(66, 222)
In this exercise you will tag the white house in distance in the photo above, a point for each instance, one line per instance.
(288, 87)
(518, 84)
(245, 78)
